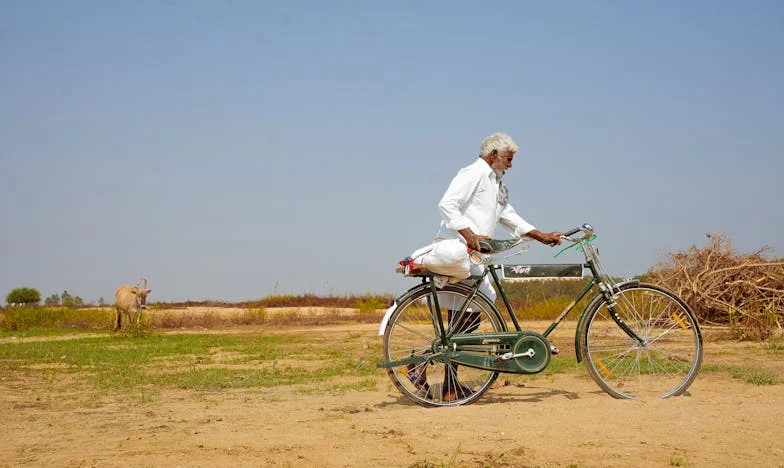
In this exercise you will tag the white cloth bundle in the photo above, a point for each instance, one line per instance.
(446, 257)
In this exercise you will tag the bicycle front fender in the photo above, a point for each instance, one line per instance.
(584, 314)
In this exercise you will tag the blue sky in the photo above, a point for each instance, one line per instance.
(231, 149)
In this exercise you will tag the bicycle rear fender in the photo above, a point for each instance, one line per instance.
(591, 304)
(385, 319)
(391, 309)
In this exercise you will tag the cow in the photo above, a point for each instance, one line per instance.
(128, 300)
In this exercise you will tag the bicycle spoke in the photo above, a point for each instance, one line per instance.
(616, 360)
(654, 363)
(627, 370)
(636, 316)
(674, 326)
(662, 335)
(424, 336)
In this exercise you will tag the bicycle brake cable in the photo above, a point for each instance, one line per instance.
(582, 242)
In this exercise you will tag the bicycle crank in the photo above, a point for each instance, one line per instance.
(507, 356)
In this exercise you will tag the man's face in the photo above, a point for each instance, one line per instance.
(501, 161)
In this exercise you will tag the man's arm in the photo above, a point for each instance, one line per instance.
(520, 227)
(550, 238)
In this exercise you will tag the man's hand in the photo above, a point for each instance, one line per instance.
(550, 238)
(472, 240)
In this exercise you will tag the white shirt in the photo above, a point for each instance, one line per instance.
(472, 201)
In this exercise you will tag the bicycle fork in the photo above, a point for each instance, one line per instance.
(609, 297)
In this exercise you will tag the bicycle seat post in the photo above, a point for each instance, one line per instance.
(438, 316)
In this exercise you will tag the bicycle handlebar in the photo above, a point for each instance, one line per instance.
(586, 228)
(493, 246)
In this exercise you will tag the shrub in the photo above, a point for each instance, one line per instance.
(543, 299)
(71, 301)
(52, 301)
(24, 296)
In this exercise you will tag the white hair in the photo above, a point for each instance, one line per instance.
(501, 142)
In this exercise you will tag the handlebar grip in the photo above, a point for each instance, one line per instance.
(572, 232)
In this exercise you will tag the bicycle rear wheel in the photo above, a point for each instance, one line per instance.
(667, 361)
(413, 330)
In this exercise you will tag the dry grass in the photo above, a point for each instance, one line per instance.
(222, 317)
(284, 300)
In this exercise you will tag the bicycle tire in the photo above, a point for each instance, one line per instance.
(666, 363)
(412, 330)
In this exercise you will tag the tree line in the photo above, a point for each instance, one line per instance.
(25, 296)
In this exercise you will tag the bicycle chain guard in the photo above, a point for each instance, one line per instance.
(523, 352)
(531, 353)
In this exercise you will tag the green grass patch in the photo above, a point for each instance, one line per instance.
(775, 347)
(755, 376)
(562, 365)
(677, 461)
(195, 361)
(749, 375)
(232, 378)
(367, 384)
(45, 332)
(40, 320)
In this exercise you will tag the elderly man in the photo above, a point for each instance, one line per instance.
(473, 205)
(477, 201)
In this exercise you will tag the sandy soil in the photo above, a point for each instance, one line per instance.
(558, 420)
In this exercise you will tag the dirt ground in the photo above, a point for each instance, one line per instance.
(557, 420)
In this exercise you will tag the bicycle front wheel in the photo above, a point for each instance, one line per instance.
(413, 331)
(667, 360)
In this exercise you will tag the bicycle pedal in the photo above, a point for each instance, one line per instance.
(554, 350)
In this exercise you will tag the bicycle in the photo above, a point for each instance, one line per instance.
(637, 340)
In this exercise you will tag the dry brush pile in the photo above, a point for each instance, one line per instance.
(745, 291)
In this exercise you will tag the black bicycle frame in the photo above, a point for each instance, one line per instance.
(491, 269)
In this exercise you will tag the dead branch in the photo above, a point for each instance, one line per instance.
(722, 286)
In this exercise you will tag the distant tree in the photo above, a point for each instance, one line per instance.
(26, 296)
(71, 301)
(101, 302)
(52, 301)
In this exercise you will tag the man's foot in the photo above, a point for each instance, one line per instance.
(554, 350)
(454, 394)
(418, 377)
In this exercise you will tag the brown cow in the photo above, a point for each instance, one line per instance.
(130, 299)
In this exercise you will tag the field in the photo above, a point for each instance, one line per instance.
(292, 395)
